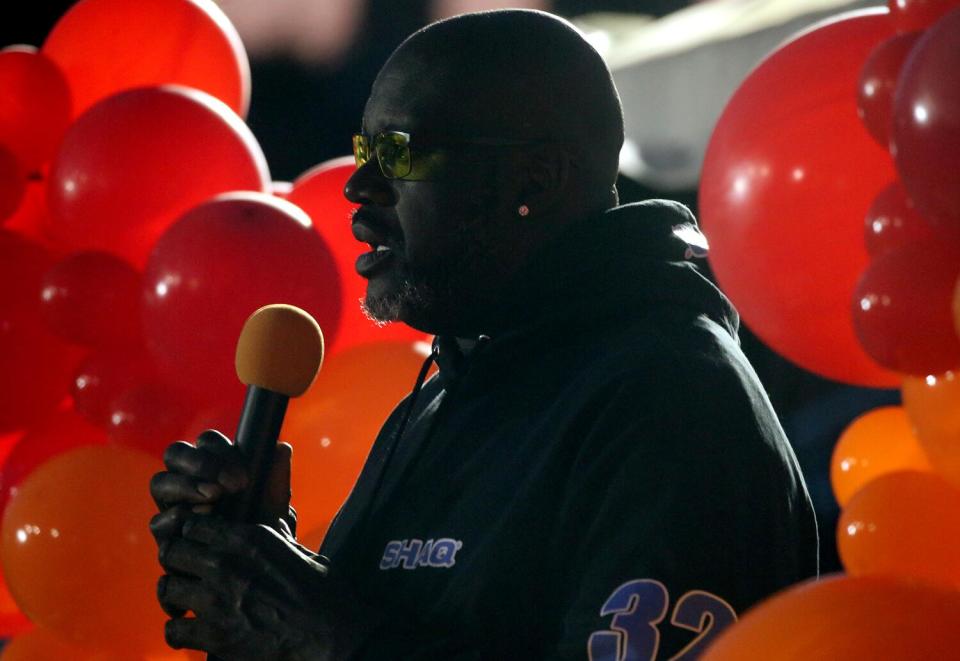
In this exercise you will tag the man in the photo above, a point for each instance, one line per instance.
(595, 472)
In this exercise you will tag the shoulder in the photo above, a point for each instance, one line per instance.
(675, 390)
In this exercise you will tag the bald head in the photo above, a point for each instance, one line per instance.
(509, 74)
(512, 127)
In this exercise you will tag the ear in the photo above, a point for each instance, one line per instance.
(546, 177)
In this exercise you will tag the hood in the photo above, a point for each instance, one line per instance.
(617, 265)
(609, 267)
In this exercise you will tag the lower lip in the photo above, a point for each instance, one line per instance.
(370, 262)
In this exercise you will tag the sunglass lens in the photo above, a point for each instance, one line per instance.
(393, 154)
(361, 150)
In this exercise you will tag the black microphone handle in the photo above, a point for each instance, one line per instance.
(256, 438)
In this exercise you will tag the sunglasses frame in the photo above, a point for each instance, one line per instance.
(421, 163)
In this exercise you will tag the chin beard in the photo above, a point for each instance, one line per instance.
(444, 296)
(383, 310)
(424, 302)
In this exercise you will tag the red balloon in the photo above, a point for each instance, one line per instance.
(892, 221)
(34, 106)
(222, 417)
(108, 46)
(57, 434)
(878, 79)
(13, 183)
(319, 192)
(902, 308)
(35, 364)
(149, 417)
(137, 160)
(93, 298)
(7, 442)
(926, 122)
(106, 374)
(788, 177)
(30, 217)
(220, 262)
(910, 15)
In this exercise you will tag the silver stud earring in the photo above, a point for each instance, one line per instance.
(523, 210)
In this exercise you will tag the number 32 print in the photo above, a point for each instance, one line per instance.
(639, 606)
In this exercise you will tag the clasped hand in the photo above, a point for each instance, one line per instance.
(243, 591)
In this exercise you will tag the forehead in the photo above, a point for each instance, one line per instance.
(431, 98)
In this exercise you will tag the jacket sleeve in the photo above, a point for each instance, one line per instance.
(677, 517)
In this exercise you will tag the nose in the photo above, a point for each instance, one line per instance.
(367, 185)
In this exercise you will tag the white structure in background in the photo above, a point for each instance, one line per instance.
(321, 31)
(444, 8)
(675, 74)
(316, 31)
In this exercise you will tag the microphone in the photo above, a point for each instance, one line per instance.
(279, 353)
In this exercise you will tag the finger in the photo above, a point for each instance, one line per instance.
(196, 634)
(179, 594)
(169, 488)
(167, 603)
(233, 474)
(182, 556)
(237, 539)
(276, 492)
(199, 463)
(215, 441)
(169, 522)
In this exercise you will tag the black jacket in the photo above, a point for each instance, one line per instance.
(594, 479)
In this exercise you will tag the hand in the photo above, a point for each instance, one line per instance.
(252, 590)
(255, 594)
(200, 477)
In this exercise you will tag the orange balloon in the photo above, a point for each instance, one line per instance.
(848, 619)
(933, 404)
(12, 621)
(78, 554)
(333, 426)
(108, 46)
(905, 524)
(313, 538)
(878, 442)
(41, 645)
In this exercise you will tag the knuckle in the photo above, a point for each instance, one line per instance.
(174, 453)
(157, 481)
(163, 552)
(174, 633)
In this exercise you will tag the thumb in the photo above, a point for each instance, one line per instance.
(276, 493)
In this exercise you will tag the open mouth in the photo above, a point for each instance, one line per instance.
(370, 262)
(370, 229)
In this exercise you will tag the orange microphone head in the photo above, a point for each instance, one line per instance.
(280, 349)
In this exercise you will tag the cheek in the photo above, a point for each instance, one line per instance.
(432, 220)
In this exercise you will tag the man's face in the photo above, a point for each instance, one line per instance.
(440, 246)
